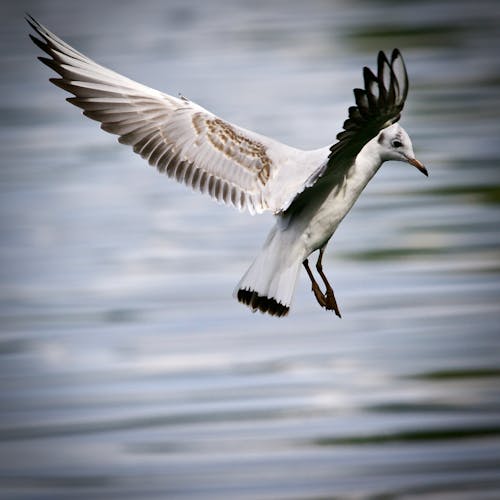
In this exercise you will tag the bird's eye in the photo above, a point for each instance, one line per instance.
(396, 144)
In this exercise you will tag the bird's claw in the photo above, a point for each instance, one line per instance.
(331, 303)
(326, 300)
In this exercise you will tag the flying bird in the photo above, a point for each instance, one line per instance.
(309, 192)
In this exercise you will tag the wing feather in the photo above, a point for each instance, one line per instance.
(178, 137)
(378, 105)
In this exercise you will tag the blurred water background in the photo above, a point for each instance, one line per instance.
(127, 370)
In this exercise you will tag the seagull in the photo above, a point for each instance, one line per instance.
(309, 192)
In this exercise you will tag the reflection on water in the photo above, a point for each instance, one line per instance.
(127, 370)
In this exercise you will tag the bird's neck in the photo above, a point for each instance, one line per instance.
(363, 169)
(368, 161)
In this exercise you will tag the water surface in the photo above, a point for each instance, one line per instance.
(126, 368)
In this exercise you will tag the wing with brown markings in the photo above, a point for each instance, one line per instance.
(233, 165)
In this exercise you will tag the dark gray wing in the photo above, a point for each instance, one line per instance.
(378, 105)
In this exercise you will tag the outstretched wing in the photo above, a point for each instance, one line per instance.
(378, 105)
(178, 137)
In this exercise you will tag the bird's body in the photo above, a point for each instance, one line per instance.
(306, 226)
(310, 192)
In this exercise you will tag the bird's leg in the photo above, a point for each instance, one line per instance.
(329, 297)
(320, 296)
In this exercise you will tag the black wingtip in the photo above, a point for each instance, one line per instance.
(31, 21)
(38, 29)
(378, 105)
(381, 60)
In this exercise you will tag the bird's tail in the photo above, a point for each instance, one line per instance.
(269, 283)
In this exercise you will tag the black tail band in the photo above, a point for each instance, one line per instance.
(264, 304)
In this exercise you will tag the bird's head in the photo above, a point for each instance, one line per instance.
(396, 145)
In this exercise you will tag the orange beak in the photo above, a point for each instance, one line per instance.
(420, 166)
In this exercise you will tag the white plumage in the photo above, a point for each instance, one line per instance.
(309, 191)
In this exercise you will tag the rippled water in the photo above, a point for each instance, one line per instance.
(126, 368)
